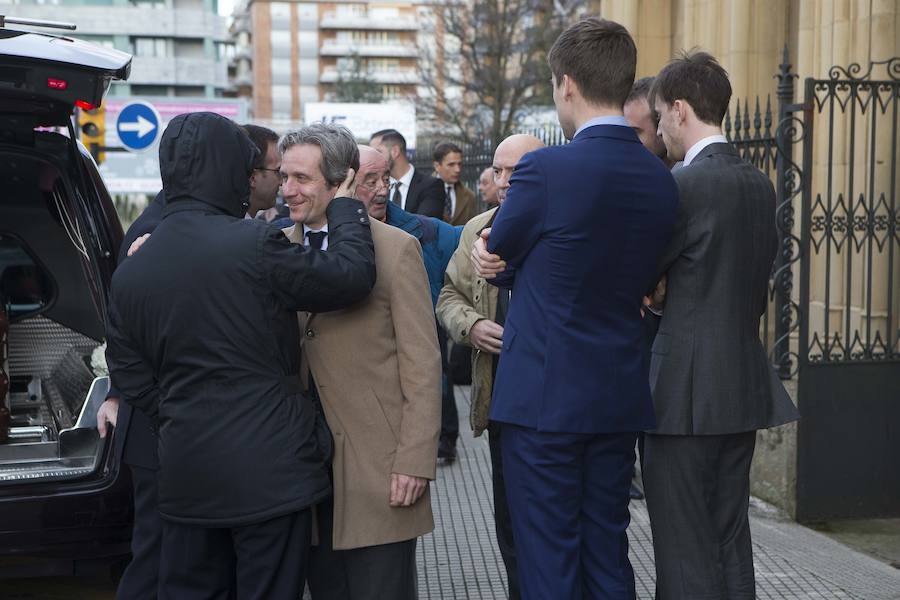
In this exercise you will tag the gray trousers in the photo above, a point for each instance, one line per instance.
(698, 492)
(371, 573)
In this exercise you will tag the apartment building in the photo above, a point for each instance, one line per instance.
(180, 47)
(291, 53)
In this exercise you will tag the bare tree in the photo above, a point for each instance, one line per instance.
(487, 65)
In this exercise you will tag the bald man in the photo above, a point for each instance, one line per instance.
(438, 238)
(473, 313)
(488, 188)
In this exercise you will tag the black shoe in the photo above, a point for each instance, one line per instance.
(635, 492)
(447, 450)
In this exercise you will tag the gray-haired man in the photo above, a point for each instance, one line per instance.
(376, 368)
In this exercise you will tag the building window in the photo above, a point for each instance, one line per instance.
(150, 3)
(281, 101)
(152, 47)
(309, 71)
(281, 12)
(383, 65)
(281, 71)
(391, 92)
(225, 50)
(384, 12)
(281, 43)
(383, 37)
(149, 90)
(348, 37)
(350, 10)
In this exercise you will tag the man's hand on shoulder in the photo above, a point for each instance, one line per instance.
(486, 336)
(487, 265)
(136, 244)
(406, 489)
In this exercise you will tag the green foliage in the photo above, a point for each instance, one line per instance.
(355, 83)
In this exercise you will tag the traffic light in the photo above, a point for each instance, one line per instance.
(92, 124)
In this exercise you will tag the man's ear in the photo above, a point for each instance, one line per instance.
(569, 86)
(253, 179)
(436, 164)
(682, 110)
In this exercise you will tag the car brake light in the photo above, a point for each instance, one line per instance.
(57, 84)
(85, 105)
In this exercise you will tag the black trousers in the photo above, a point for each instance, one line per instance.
(502, 521)
(141, 578)
(449, 414)
(371, 573)
(698, 492)
(263, 561)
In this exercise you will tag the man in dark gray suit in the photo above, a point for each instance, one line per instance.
(411, 189)
(712, 383)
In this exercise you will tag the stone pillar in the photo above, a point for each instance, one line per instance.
(650, 24)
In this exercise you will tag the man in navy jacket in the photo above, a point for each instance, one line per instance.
(583, 228)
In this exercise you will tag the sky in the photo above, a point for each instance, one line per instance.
(225, 7)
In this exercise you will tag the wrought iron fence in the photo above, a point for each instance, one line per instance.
(852, 223)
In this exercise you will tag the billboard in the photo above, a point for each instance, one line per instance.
(365, 119)
(138, 172)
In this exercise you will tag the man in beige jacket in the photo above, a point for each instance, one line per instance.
(473, 313)
(376, 369)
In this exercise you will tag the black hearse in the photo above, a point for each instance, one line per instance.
(64, 502)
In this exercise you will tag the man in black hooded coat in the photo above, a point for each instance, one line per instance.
(203, 337)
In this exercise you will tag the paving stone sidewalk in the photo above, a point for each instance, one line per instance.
(460, 559)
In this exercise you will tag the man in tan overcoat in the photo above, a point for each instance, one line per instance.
(376, 369)
(473, 312)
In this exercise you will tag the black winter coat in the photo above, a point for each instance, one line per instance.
(135, 440)
(203, 334)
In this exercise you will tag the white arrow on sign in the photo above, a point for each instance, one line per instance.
(142, 126)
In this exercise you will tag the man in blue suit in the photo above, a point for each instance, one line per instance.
(580, 237)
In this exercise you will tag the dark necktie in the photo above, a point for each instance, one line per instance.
(397, 198)
(448, 202)
(316, 239)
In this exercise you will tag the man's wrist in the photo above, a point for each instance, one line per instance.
(344, 209)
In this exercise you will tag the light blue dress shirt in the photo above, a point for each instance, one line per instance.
(610, 120)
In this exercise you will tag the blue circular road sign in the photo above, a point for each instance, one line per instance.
(138, 126)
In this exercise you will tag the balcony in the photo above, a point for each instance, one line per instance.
(395, 50)
(332, 20)
(178, 71)
(396, 77)
(132, 21)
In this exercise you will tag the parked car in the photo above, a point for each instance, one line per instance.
(65, 504)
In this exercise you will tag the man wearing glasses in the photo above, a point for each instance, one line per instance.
(266, 176)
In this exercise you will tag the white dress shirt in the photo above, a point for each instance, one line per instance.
(307, 230)
(697, 148)
(404, 187)
(608, 120)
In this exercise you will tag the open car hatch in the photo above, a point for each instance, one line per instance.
(47, 76)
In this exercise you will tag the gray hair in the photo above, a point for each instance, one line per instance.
(339, 150)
